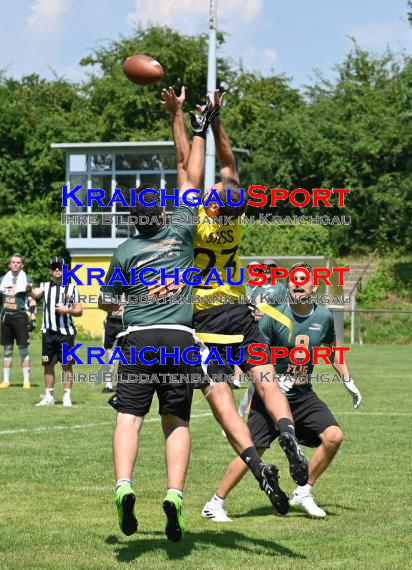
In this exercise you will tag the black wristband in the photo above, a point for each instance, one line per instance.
(201, 135)
(33, 309)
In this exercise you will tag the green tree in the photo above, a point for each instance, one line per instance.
(125, 111)
(35, 113)
(36, 237)
(360, 136)
(352, 132)
(263, 115)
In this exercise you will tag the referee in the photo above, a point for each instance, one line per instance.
(60, 304)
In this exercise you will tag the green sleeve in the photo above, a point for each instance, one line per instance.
(187, 231)
(266, 328)
(116, 288)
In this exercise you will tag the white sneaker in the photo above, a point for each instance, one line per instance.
(215, 512)
(67, 403)
(47, 400)
(306, 503)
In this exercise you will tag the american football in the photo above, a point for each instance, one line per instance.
(142, 69)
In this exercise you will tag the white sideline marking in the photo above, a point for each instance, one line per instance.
(81, 426)
(194, 416)
(357, 413)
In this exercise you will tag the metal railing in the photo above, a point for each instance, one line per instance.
(352, 296)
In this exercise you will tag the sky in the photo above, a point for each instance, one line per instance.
(293, 37)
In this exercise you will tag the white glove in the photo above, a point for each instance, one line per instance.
(285, 382)
(356, 395)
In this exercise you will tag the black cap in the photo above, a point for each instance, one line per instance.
(56, 260)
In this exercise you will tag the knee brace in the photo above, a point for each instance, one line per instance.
(24, 353)
(8, 351)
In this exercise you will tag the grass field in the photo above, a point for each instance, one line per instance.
(56, 493)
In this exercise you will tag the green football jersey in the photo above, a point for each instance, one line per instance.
(169, 248)
(12, 302)
(309, 331)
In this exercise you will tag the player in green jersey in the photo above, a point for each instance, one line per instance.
(14, 288)
(272, 294)
(151, 326)
(315, 425)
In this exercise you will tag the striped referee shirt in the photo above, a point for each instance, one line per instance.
(54, 294)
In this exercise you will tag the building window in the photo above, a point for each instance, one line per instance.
(108, 171)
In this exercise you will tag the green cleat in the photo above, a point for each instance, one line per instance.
(172, 506)
(125, 500)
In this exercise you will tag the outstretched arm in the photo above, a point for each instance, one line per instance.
(196, 164)
(223, 147)
(174, 104)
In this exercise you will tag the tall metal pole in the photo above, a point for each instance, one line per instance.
(352, 319)
(211, 86)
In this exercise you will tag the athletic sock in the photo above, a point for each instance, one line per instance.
(6, 375)
(122, 481)
(218, 500)
(109, 385)
(303, 489)
(286, 425)
(253, 461)
(68, 391)
(177, 491)
(26, 374)
(49, 391)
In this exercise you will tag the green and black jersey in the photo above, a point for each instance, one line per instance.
(309, 331)
(12, 302)
(169, 248)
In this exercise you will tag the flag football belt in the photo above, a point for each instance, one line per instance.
(135, 328)
(204, 351)
(278, 316)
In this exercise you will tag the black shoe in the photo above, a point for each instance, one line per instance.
(270, 484)
(298, 464)
(107, 390)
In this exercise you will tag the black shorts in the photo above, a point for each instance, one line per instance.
(112, 327)
(52, 349)
(14, 327)
(138, 382)
(310, 414)
(236, 319)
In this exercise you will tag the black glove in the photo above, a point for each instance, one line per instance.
(32, 325)
(200, 123)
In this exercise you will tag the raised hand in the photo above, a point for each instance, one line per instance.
(216, 101)
(171, 102)
(200, 123)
